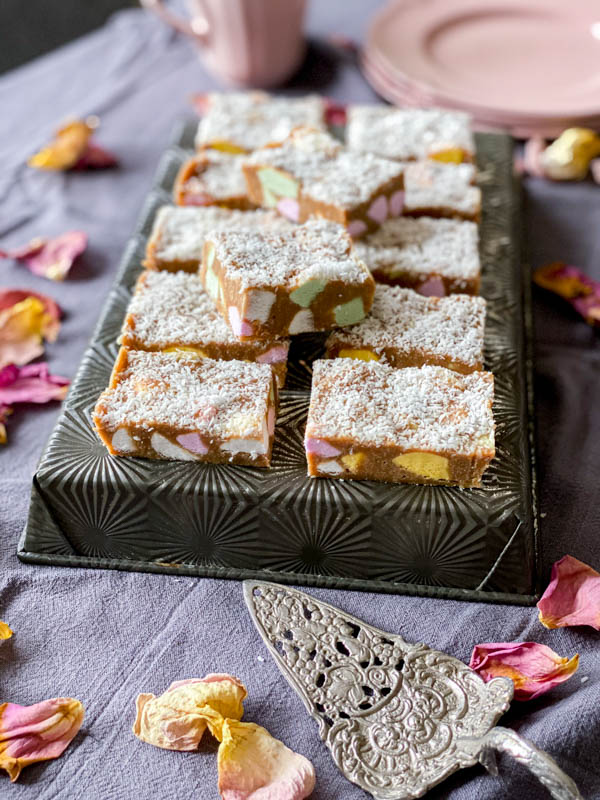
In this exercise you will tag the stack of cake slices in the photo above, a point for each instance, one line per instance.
(279, 229)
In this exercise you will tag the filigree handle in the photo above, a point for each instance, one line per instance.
(545, 769)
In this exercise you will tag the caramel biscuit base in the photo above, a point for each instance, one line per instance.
(170, 311)
(405, 329)
(369, 421)
(212, 179)
(239, 122)
(159, 405)
(269, 285)
(312, 174)
(432, 256)
(410, 134)
(178, 233)
(441, 190)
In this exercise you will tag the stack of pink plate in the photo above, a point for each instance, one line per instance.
(531, 67)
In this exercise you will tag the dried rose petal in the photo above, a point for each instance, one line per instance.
(568, 157)
(572, 596)
(50, 258)
(32, 383)
(254, 765)
(532, 157)
(5, 631)
(36, 733)
(335, 113)
(22, 329)
(200, 102)
(574, 285)
(95, 157)
(68, 146)
(4, 413)
(533, 668)
(178, 718)
(9, 297)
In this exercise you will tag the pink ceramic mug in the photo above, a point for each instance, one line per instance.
(247, 42)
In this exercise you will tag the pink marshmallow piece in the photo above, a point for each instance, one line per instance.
(289, 208)
(321, 448)
(378, 210)
(356, 228)
(239, 326)
(396, 203)
(193, 443)
(271, 421)
(432, 287)
(275, 355)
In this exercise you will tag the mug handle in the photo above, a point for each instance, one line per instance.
(198, 27)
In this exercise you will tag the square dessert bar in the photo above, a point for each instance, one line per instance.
(369, 421)
(441, 190)
(432, 256)
(410, 134)
(212, 179)
(405, 329)
(171, 311)
(311, 173)
(268, 284)
(239, 122)
(178, 233)
(159, 405)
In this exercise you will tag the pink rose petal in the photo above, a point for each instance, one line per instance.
(95, 157)
(572, 596)
(36, 733)
(30, 384)
(573, 285)
(10, 297)
(532, 157)
(50, 258)
(289, 208)
(335, 113)
(253, 765)
(200, 102)
(533, 668)
(24, 325)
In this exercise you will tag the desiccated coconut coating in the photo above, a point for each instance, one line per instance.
(239, 122)
(369, 421)
(171, 311)
(406, 329)
(268, 284)
(212, 179)
(160, 405)
(441, 190)
(178, 233)
(433, 256)
(410, 134)
(311, 173)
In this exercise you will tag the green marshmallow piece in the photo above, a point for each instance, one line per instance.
(212, 282)
(276, 183)
(305, 294)
(349, 313)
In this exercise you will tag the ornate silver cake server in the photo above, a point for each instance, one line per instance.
(398, 718)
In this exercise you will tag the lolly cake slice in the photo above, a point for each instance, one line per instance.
(239, 122)
(178, 233)
(311, 173)
(432, 256)
(212, 179)
(270, 284)
(171, 311)
(405, 329)
(369, 421)
(441, 190)
(160, 405)
(409, 134)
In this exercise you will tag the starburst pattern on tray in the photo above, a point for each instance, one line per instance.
(93, 375)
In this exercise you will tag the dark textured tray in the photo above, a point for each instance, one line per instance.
(89, 509)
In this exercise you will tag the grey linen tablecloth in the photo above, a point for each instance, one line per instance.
(104, 636)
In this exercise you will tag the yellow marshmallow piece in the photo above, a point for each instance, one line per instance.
(361, 355)
(353, 461)
(427, 465)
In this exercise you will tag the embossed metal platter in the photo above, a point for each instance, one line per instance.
(89, 509)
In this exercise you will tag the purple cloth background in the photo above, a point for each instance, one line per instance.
(105, 636)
